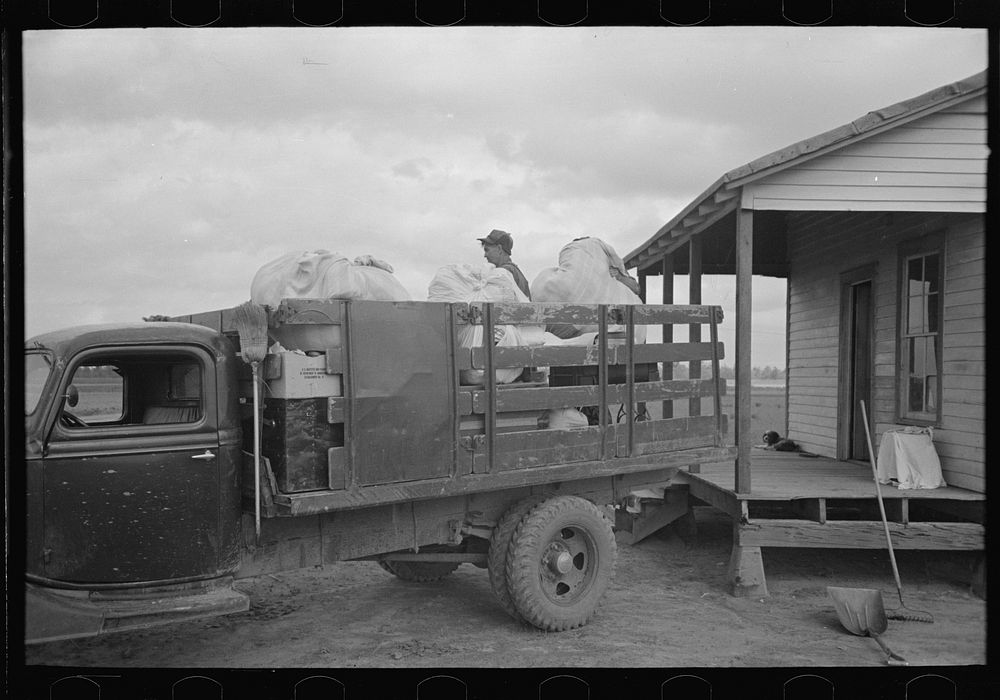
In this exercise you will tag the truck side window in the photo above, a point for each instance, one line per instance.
(179, 400)
(138, 389)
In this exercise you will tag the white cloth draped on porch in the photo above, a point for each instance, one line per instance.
(908, 457)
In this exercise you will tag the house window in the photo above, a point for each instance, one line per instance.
(920, 336)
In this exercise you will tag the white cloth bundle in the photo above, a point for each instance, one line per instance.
(582, 277)
(562, 419)
(908, 456)
(320, 274)
(467, 283)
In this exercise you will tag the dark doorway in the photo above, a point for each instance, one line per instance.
(856, 344)
(860, 379)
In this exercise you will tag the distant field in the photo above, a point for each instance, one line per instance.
(767, 410)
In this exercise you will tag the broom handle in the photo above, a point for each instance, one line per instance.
(256, 451)
(881, 506)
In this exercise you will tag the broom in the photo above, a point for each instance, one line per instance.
(251, 324)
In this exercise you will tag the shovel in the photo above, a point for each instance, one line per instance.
(861, 612)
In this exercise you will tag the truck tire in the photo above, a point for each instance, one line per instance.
(419, 571)
(560, 563)
(499, 547)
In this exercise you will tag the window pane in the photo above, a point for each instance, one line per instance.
(916, 400)
(931, 264)
(102, 393)
(915, 315)
(931, 389)
(915, 276)
(917, 357)
(932, 313)
(185, 382)
(930, 353)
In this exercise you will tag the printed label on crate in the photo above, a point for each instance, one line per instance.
(313, 373)
(304, 376)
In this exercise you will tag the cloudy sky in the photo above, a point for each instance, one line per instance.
(163, 167)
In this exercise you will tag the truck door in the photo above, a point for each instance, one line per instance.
(131, 473)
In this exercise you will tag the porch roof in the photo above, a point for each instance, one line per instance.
(713, 211)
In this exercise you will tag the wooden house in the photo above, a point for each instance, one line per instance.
(879, 228)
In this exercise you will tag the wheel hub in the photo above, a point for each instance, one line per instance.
(560, 561)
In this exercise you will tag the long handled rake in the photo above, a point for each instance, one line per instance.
(903, 613)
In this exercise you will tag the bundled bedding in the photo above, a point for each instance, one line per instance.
(468, 283)
(321, 274)
(589, 272)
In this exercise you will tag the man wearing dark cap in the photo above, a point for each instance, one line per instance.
(496, 250)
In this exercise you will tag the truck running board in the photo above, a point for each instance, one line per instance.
(55, 614)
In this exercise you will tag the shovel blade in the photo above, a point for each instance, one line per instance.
(860, 610)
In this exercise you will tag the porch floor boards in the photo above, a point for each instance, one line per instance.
(785, 476)
(816, 502)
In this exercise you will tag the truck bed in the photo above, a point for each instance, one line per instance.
(409, 429)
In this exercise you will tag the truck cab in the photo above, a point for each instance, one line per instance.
(132, 460)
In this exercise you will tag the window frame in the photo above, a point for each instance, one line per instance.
(61, 433)
(925, 246)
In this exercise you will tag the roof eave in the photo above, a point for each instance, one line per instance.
(862, 127)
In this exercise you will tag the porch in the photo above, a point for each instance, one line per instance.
(816, 502)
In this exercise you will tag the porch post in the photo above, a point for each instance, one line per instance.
(642, 285)
(694, 330)
(668, 330)
(744, 267)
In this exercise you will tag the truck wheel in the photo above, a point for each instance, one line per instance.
(560, 563)
(499, 547)
(419, 571)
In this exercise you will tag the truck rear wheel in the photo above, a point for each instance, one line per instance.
(419, 571)
(499, 548)
(560, 563)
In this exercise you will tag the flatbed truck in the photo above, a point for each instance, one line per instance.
(148, 493)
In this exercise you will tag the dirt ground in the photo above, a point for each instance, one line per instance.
(668, 607)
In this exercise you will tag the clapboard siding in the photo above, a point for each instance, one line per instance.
(875, 204)
(959, 480)
(870, 164)
(963, 345)
(808, 177)
(972, 410)
(970, 282)
(974, 108)
(822, 246)
(933, 163)
(958, 383)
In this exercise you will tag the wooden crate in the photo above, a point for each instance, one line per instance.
(296, 436)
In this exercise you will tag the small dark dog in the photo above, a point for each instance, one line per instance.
(774, 441)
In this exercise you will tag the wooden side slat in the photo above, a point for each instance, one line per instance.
(549, 356)
(510, 398)
(541, 313)
(535, 448)
(526, 450)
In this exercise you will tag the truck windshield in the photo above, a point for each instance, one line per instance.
(37, 367)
